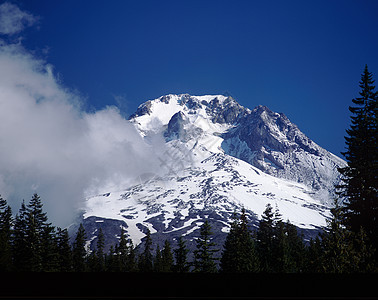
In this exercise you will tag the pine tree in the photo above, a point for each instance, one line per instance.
(360, 181)
(35, 208)
(49, 249)
(122, 252)
(158, 261)
(40, 247)
(314, 257)
(146, 258)
(181, 252)
(239, 254)
(204, 261)
(64, 251)
(265, 239)
(132, 265)
(91, 262)
(297, 250)
(100, 255)
(337, 244)
(79, 252)
(19, 243)
(111, 260)
(281, 249)
(33, 245)
(6, 222)
(167, 258)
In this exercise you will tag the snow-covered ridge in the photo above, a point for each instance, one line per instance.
(261, 137)
(220, 184)
(226, 157)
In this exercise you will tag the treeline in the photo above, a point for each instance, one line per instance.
(29, 242)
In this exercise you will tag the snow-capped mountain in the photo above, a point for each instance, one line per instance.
(218, 157)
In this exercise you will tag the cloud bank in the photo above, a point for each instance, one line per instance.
(49, 145)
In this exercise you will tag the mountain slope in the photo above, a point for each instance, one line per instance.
(218, 157)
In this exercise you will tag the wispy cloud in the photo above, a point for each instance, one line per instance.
(49, 145)
(13, 20)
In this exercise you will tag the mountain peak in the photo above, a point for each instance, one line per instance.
(228, 157)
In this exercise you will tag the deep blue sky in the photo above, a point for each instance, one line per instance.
(302, 58)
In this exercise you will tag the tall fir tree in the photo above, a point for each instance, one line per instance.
(182, 265)
(204, 261)
(19, 242)
(100, 254)
(40, 239)
(50, 250)
(167, 258)
(6, 223)
(337, 244)
(281, 261)
(297, 249)
(64, 250)
(122, 252)
(158, 261)
(314, 257)
(111, 260)
(239, 254)
(33, 245)
(360, 176)
(132, 265)
(79, 252)
(365, 260)
(265, 239)
(145, 263)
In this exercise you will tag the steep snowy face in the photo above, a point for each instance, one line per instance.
(269, 141)
(261, 137)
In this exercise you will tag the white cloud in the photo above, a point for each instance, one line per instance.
(13, 20)
(50, 146)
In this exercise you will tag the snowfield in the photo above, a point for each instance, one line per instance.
(221, 157)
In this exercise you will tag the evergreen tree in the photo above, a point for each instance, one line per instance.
(297, 249)
(288, 248)
(314, 257)
(360, 181)
(49, 249)
(132, 265)
(280, 261)
(33, 245)
(158, 261)
(167, 258)
(364, 254)
(100, 255)
(337, 244)
(239, 254)
(64, 251)
(204, 261)
(35, 209)
(181, 252)
(6, 222)
(146, 258)
(265, 239)
(122, 252)
(79, 252)
(40, 247)
(111, 260)
(19, 243)
(91, 262)
(34, 234)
